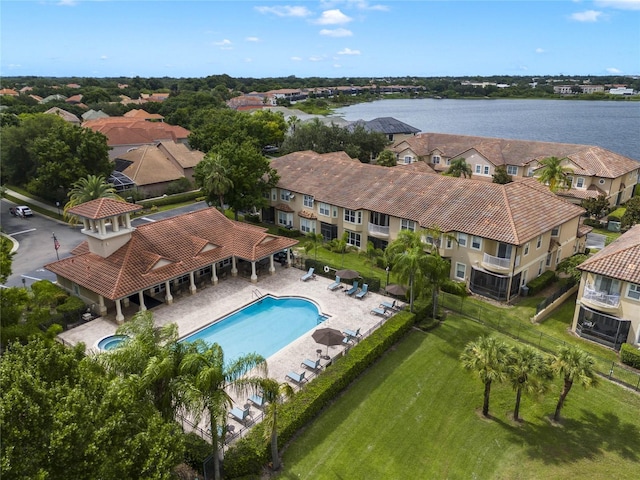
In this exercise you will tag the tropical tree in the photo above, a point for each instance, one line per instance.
(312, 241)
(552, 173)
(569, 266)
(459, 167)
(341, 245)
(6, 258)
(596, 207)
(212, 175)
(273, 394)
(89, 188)
(207, 381)
(527, 372)
(573, 365)
(436, 274)
(407, 257)
(501, 176)
(387, 159)
(486, 357)
(631, 215)
(371, 254)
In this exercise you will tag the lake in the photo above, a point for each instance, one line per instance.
(608, 124)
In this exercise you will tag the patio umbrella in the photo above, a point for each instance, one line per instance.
(328, 336)
(346, 274)
(395, 289)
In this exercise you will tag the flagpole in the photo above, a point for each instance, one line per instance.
(56, 244)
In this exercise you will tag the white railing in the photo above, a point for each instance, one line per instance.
(603, 298)
(497, 261)
(378, 229)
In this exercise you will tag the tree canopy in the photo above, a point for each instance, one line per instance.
(459, 168)
(554, 174)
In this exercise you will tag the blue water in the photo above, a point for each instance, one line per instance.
(111, 342)
(263, 327)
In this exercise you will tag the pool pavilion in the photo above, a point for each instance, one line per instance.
(119, 264)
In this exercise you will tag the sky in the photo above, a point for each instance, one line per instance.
(327, 38)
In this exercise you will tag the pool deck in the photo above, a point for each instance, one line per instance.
(192, 312)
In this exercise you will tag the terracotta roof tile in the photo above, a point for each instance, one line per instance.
(283, 207)
(620, 259)
(150, 165)
(103, 208)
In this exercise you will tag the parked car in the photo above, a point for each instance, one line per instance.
(21, 211)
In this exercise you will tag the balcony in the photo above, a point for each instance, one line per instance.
(496, 264)
(600, 300)
(378, 230)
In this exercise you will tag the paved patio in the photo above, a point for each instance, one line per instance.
(191, 312)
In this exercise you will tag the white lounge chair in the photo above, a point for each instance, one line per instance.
(311, 364)
(335, 285)
(308, 275)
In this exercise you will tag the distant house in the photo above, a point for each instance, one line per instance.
(622, 91)
(247, 102)
(153, 167)
(9, 92)
(143, 115)
(93, 115)
(608, 303)
(596, 170)
(54, 98)
(74, 99)
(393, 129)
(66, 116)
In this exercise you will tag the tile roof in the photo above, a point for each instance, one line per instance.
(128, 131)
(67, 116)
(180, 241)
(181, 154)
(513, 213)
(143, 115)
(620, 259)
(386, 125)
(149, 165)
(588, 160)
(103, 208)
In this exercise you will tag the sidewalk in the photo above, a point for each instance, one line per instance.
(30, 201)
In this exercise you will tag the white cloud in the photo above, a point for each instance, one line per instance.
(586, 16)
(539, 50)
(296, 59)
(67, 3)
(333, 17)
(252, 39)
(103, 57)
(224, 44)
(619, 4)
(337, 65)
(316, 58)
(613, 70)
(348, 51)
(14, 65)
(359, 4)
(285, 11)
(337, 32)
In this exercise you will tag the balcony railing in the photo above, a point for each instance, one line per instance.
(604, 298)
(378, 229)
(496, 261)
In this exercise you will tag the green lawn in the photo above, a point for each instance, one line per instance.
(415, 415)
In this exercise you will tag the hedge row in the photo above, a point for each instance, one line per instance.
(372, 282)
(544, 280)
(630, 355)
(170, 199)
(249, 455)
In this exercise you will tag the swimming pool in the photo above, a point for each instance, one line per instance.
(264, 326)
(111, 342)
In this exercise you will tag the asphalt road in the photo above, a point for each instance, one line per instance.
(35, 236)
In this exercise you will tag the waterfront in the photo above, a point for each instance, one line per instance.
(611, 125)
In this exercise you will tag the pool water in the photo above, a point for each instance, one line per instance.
(111, 342)
(264, 327)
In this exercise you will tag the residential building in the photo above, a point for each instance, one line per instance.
(608, 304)
(149, 264)
(596, 170)
(393, 129)
(505, 235)
(66, 116)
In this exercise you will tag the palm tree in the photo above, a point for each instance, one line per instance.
(436, 273)
(371, 254)
(273, 393)
(527, 371)
(90, 188)
(212, 175)
(552, 173)
(207, 379)
(573, 365)
(459, 167)
(312, 242)
(486, 356)
(341, 245)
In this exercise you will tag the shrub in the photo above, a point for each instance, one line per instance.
(47, 294)
(617, 214)
(290, 233)
(630, 355)
(71, 304)
(544, 280)
(252, 218)
(592, 223)
(179, 186)
(171, 199)
(196, 451)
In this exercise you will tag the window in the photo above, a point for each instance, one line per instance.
(274, 194)
(461, 270)
(448, 162)
(407, 159)
(548, 259)
(476, 242)
(512, 170)
(530, 172)
(353, 216)
(607, 285)
(601, 181)
(285, 219)
(540, 268)
(307, 226)
(633, 291)
(324, 209)
(204, 271)
(478, 168)
(308, 201)
(569, 180)
(449, 242)
(526, 249)
(555, 231)
(353, 238)
(407, 225)
(558, 255)
(266, 195)
(524, 278)
(285, 195)
(462, 239)
(435, 159)
(580, 182)
(485, 170)
(538, 242)
(158, 288)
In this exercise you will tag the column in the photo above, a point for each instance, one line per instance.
(115, 223)
(85, 224)
(272, 267)
(101, 306)
(119, 316)
(254, 276)
(102, 229)
(143, 307)
(125, 302)
(168, 298)
(192, 283)
(127, 220)
(214, 274)
(234, 268)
